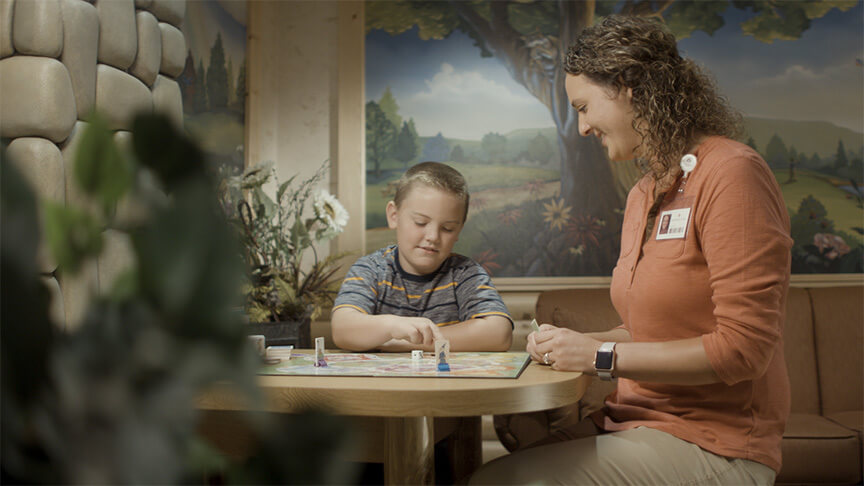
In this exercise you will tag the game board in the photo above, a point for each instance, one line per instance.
(462, 365)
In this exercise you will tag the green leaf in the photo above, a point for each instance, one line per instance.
(265, 208)
(100, 168)
(300, 236)
(72, 235)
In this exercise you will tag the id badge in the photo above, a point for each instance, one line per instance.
(673, 224)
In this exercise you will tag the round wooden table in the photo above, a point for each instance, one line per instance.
(408, 405)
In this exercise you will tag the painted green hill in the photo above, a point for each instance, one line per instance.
(805, 136)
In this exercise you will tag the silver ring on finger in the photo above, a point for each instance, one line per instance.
(546, 358)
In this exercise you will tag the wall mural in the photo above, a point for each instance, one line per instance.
(213, 83)
(474, 84)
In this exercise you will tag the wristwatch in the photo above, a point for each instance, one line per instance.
(604, 361)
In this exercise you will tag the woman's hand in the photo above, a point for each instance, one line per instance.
(563, 349)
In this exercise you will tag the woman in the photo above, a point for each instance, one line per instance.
(702, 394)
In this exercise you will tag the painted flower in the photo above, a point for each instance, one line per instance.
(477, 203)
(556, 214)
(585, 230)
(577, 250)
(510, 217)
(330, 212)
(487, 261)
(534, 187)
(831, 246)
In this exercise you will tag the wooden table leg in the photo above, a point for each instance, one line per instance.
(466, 448)
(410, 457)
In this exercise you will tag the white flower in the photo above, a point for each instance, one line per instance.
(330, 212)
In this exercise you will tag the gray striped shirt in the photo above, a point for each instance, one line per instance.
(460, 290)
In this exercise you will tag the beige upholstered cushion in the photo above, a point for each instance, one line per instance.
(173, 50)
(839, 317)
(143, 3)
(118, 39)
(817, 450)
(80, 47)
(853, 419)
(37, 98)
(120, 96)
(37, 28)
(41, 163)
(78, 290)
(6, 48)
(117, 256)
(800, 352)
(56, 310)
(74, 195)
(149, 57)
(168, 100)
(171, 11)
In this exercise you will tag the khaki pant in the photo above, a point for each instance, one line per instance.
(638, 456)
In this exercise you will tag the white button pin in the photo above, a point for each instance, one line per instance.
(688, 163)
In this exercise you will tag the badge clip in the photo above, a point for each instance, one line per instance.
(688, 163)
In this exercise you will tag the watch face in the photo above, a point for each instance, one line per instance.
(603, 360)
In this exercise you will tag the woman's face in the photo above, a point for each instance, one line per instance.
(609, 118)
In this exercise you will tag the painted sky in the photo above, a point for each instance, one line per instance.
(446, 86)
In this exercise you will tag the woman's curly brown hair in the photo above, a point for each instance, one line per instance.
(674, 101)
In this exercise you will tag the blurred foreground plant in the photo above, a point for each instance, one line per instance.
(114, 400)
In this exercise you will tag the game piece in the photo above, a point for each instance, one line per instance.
(257, 341)
(534, 326)
(416, 355)
(319, 352)
(442, 351)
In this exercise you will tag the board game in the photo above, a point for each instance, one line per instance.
(462, 365)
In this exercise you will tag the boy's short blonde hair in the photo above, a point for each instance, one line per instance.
(437, 175)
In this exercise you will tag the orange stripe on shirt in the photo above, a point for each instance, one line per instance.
(484, 314)
(351, 306)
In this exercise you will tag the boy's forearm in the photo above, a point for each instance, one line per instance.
(355, 331)
(491, 333)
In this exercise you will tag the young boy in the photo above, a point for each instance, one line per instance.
(405, 296)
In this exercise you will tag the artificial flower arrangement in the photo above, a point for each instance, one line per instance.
(288, 281)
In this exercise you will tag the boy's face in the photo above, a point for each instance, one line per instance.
(427, 225)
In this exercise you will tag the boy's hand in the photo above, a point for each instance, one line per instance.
(415, 330)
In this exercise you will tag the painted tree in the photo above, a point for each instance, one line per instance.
(776, 153)
(539, 148)
(230, 78)
(457, 154)
(436, 149)
(406, 146)
(200, 100)
(530, 38)
(390, 107)
(217, 76)
(380, 134)
(240, 90)
(188, 81)
(413, 129)
(494, 145)
(840, 159)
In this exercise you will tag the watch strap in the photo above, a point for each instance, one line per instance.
(605, 354)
